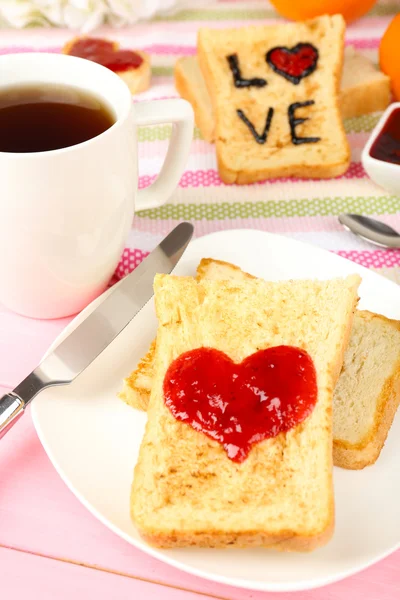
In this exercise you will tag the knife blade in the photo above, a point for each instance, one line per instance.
(98, 329)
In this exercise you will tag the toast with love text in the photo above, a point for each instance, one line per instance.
(275, 95)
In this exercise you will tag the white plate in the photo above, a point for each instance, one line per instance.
(93, 439)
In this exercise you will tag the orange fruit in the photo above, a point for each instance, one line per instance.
(389, 54)
(299, 10)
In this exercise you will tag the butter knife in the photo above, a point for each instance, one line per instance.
(98, 330)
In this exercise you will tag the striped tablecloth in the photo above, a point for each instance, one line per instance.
(39, 519)
(305, 210)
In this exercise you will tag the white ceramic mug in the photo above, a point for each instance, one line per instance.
(65, 214)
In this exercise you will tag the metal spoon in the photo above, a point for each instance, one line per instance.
(371, 230)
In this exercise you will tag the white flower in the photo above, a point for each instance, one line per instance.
(85, 15)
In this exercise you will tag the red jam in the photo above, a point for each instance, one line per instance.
(386, 147)
(104, 53)
(293, 63)
(239, 405)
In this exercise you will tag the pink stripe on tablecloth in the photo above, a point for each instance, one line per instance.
(210, 177)
(172, 49)
(162, 49)
(23, 49)
(376, 259)
(138, 100)
(130, 259)
(371, 43)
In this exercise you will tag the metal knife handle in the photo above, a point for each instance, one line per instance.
(11, 409)
(12, 405)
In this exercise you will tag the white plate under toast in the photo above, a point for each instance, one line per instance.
(93, 439)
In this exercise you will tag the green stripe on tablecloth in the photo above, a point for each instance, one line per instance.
(162, 132)
(220, 14)
(365, 123)
(162, 71)
(228, 14)
(304, 207)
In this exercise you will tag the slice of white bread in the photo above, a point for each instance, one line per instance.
(186, 492)
(137, 79)
(364, 89)
(189, 82)
(284, 151)
(367, 394)
(365, 399)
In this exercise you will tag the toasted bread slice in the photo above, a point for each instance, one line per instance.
(136, 78)
(191, 86)
(365, 399)
(364, 89)
(368, 391)
(283, 128)
(137, 387)
(186, 492)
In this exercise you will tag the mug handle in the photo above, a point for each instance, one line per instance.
(180, 113)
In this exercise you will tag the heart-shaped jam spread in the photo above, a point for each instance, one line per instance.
(293, 63)
(105, 53)
(239, 405)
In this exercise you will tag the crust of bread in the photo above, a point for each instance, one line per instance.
(367, 450)
(373, 97)
(364, 89)
(66, 49)
(239, 162)
(285, 542)
(137, 80)
(194, 90)
(180, 474)
(206, 263)
(136, 388)
(300, 170)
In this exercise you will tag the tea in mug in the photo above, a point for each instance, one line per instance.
(41, 117)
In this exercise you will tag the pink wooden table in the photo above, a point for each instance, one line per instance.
(51, 548)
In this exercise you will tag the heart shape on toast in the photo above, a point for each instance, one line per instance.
(293, 63)
(105, 53)
(239, 405)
